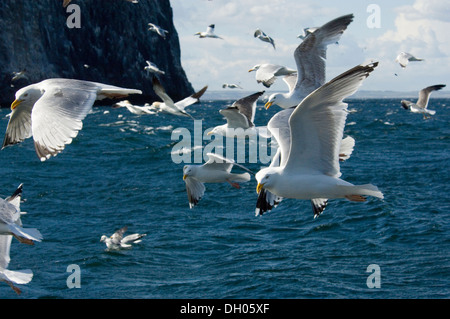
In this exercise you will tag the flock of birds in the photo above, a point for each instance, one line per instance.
(309, 132)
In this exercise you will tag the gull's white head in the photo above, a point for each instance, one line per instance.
(280, 100)
(255, 68)
(218, 130)
(103, 238)
(189, 170)
(266, 178)
(26, 96)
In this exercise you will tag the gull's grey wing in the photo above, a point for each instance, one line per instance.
(424, 94)
(194, 98)
(317, 123)
(57, 116)
(310, 55)
(5, 245)
(216, 161)
(19, 125)
(235, 119)
(195, 191)
(161, 92)
(279, 128)
(118, 235)
(247, 106)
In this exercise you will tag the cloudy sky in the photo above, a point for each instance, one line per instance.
(421, 27)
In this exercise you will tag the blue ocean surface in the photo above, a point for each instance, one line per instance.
(119, 172)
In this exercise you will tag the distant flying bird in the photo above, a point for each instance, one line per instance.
(117, 241)
(158, 29)
(52, 112)
(231, 86)
(263, 37)
(136, 109)
(209, 33)
(153, 68)
(18, 75)
(422, 103)
(216, 170)
(268, 73)
(403, 59)
(306, 32)
(168, 105)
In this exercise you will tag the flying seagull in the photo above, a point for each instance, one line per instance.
(209, 33)
(422, 103)
(240, 116)
(267, 73)
(136, 109)
(168, 105)
(216, 170)
(311, 169)
(158, 29)
(12, 277)
(52, 112)
(264, 37)
(153, 68)
(10, 221)
(403, 59)
(310, 58)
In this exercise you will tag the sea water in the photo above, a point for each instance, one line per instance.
(119, 172)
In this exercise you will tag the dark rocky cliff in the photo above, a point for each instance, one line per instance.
(111, 45)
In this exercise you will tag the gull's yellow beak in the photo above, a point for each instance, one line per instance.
(259, 187)
(15, 104)
(184, 177)
(250, 70)
(267, 105)
(210, 133)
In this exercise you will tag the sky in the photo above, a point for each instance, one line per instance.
(380, 30)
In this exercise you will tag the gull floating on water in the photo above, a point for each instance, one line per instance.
(403, 59)
(422, 103)
(168, 106)
(310, 58)
(153, 68)
(311, 170)
(209, 33)
(10, 222)
(240, 116)
(117, 241)
(52, 112)
(136, 109)
(231, 86)
(264, 37)
(158, 29)
(267, 73)
(216, 170)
